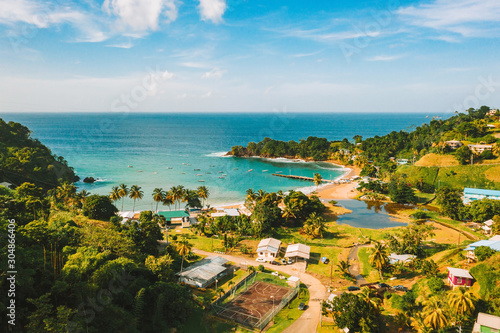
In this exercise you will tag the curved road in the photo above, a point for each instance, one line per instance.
(354, 265)
(309, 320)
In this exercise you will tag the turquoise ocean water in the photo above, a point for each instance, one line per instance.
(164, 150)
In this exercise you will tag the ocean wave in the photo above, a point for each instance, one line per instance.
(218, 154)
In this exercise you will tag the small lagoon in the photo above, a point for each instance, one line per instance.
(369, 214)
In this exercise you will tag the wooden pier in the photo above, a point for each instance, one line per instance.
(309, 179)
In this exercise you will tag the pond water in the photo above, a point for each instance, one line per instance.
(370, 214)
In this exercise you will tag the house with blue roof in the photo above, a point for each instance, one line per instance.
(471, 194)
(493, 243)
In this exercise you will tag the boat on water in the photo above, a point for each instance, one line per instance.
(183, 173)
(199, 174)
(208, 173)
(222, 177)
(279, 172)
(265, 170)
(130, 166)
(155, 173)
(169, 168)
(212, 166)
(184, 163)
(221, 171)
(250, 170)
(235, 168)
(139, 170)
(201, 180)
(197, 169)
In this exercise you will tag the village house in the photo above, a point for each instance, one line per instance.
(205, 272)
(459, 277)
(268, 249)
(454, 144)
(478, 149)
(471, 194)
(493, 243)
(492, 112)
(486, 323)
(298, 252)
(397, 258)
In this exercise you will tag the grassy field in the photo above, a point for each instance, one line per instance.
(291, 313)
(368, 272)
(201, 322)
(431, 160)
(493, 174)
(455, 176)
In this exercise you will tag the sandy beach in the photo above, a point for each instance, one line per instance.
(341, 191)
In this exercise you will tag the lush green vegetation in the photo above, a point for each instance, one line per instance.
(24, 159)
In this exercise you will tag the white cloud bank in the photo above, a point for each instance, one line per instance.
(212, 10)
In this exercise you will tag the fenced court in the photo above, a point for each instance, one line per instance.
(254, 306)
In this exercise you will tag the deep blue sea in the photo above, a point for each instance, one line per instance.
(164, 150)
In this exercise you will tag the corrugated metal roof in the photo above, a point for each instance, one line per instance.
(458, 272)
(205, 269)
(468, 190)
(488, 320)
(269, 244)
(174, 213)
(298, 250)
(492, 244)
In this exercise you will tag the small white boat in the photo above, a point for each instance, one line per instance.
(184, 163)
(224, 175)
(279, 172)
(265, 170)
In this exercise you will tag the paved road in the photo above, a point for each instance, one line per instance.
(309, 320)
(354, 265)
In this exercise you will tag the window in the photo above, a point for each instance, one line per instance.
(459, 280)
(260, 253)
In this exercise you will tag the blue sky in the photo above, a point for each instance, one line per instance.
(238, 55)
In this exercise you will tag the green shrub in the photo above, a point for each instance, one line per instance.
(483, 252)
(435, 284)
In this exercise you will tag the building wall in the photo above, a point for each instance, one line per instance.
(456, 281)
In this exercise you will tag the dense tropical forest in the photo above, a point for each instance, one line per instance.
(414, 142)
(24, 159)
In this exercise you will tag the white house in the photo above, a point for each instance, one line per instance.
(298, 251)
(397, 258)
(478, 149)
(454, 144)
(268, 249)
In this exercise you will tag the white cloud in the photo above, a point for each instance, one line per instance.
(469, 18)
(127, 45)
(212, 10)
(215, 73)
(42, 16)
(384, 58)
(207, 95)
(268, 90)
(194, 65)
(140, 16)
(182, 96)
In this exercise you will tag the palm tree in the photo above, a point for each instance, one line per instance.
(378, 258)
(123, 191)
(168, 199)
(369, 296)
(183, 248)
(158, 195)
(314, 226)
(114, 195)
(220, 291)
(250, 197)
(177, 194)
(251, 269)
(462, 302)
(82, 196)
(343, 267)
(135, 193)
(318, 179)
(203, 193)
(418, 323)
(434, 314)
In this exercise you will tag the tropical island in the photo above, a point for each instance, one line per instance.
(83, 264)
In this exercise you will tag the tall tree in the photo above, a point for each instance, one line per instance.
(318, 179)
(135, 193)
(378, 258)
(114, 195)
(203, 193)
(434, 314)
(158, 196)
(462, 302)
(314, 226)
(123, 191)
(183, 248)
